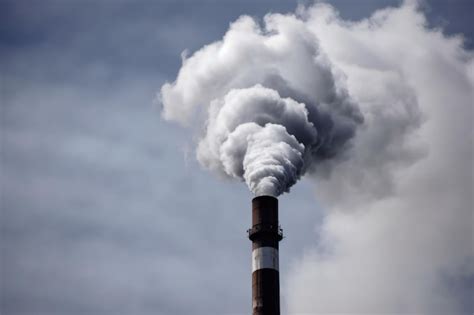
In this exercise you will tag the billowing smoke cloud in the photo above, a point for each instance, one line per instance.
(379, 113)
(273, 103)
(399, 234)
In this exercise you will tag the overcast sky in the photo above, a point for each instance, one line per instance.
(104, 208)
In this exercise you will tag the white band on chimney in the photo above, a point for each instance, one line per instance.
(264, 257)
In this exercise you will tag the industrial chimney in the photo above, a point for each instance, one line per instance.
(265, 235)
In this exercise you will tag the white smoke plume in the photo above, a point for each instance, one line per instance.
(274, 103)
(399, 234)
(379, 113)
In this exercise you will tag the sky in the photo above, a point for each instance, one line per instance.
(105, 209)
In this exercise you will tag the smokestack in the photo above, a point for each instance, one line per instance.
(265, 235)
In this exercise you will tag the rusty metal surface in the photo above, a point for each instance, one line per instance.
(265, 235)
(265, 292)
(265, 210)
(265, 227)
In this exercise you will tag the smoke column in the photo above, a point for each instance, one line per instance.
(380, 112)
(271, 102)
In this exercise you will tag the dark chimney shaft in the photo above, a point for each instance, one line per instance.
(265, 235)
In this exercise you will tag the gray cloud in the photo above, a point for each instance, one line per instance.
(101, 214)
(92, 221)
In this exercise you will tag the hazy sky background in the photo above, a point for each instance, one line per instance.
(104, 209)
